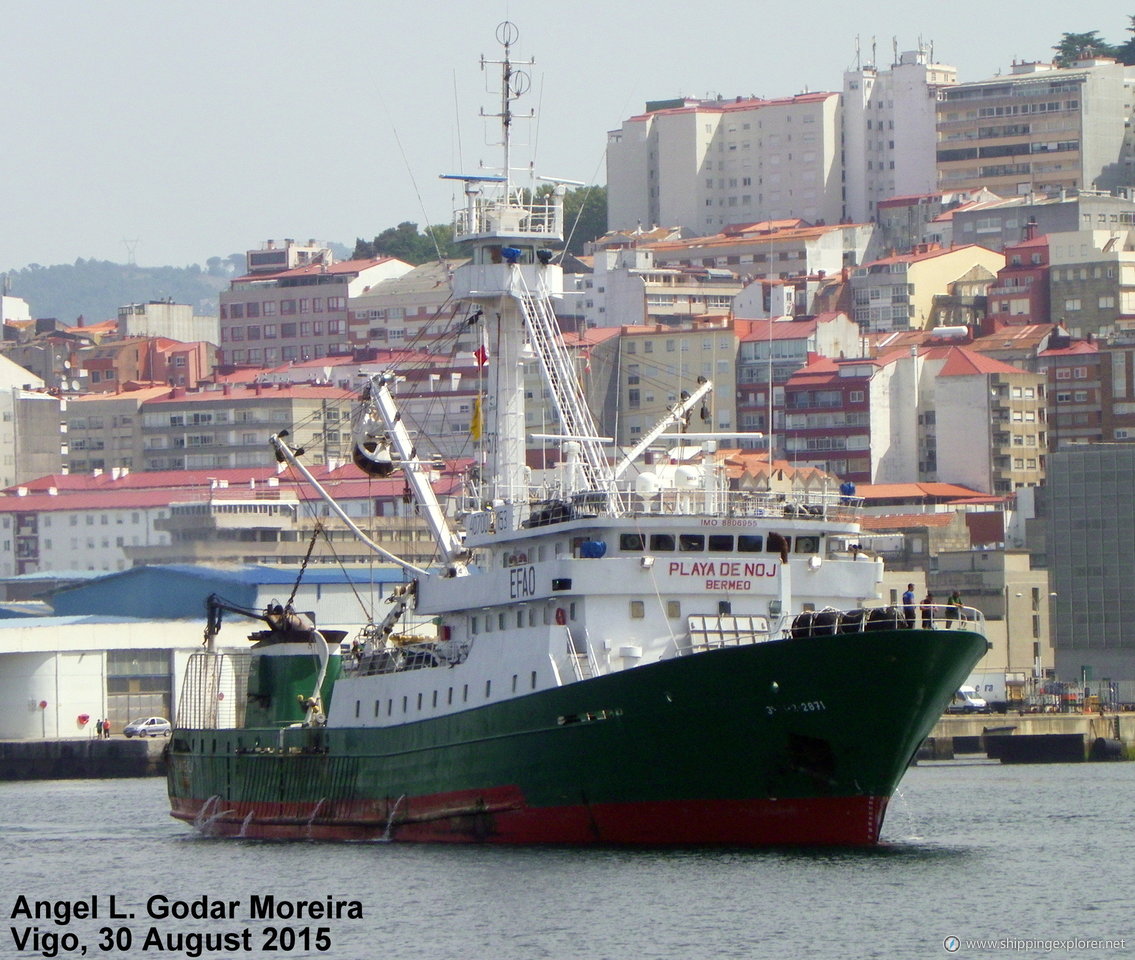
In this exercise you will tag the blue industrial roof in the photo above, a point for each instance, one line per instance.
(173, 591)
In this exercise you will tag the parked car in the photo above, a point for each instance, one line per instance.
(149, 727)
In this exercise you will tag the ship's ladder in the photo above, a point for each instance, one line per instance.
(575, 417)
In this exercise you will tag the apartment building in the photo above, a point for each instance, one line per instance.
(935, 413)
(29, 425)
(1079, 391)
(1020, 293)
(823, 157)
(229, 426)
(1092, 281)
(1039, 129)
(657, 364)
(771, 351)
(777, 249)
(630, 287)
(117, 519)
(415, 308)
(989, 422)
(889, 129)
(897, 292)
(296, 313)
(854, 418)
(906, 221)
(102, 431)
(113, 365)
(703, 164)
(999, 223)
(164, 318)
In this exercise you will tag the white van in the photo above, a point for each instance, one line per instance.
(966, 700)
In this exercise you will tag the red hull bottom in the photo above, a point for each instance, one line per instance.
(501, 816)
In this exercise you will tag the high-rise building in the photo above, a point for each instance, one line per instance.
(704, 164)
(889, 130)
(822, 157)
(1039, 129)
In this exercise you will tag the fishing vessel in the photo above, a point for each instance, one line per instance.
(602, 654)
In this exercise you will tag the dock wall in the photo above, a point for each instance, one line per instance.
(1034, 737)
(80, 759)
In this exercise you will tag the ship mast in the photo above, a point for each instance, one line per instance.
(510, 276)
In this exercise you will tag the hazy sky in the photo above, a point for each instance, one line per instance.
(188, 130)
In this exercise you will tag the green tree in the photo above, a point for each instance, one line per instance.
(1125, 52)
(405, 243)
(585, 216)
(1078, 46)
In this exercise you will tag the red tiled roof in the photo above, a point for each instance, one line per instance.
(776, 231)
(928, 254)
(343, 267)
(896, 491)
(1039, 241)
(1075, 348)
(771, 329)
(1022, 336)
(590, 337)
(903, 520)
(297, 391)
(731, 106)
(160, 487)
(966, 363)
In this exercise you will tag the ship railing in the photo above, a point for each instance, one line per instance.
(819, 505)
(213, 691)
(539, 218)
(726, 630)
(399, 657)
(707, 633)
(930, 616)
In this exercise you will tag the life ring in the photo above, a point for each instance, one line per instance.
(561, 616)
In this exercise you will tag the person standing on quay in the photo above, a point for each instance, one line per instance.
(98, 727)
(106, 728)
(908, 606)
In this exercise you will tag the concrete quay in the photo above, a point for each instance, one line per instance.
(81, 758)
(1033, 737)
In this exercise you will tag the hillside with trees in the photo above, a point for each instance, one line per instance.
(95, 289)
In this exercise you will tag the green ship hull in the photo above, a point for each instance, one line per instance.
(791, 741)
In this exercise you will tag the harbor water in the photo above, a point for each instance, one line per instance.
(1011, 861)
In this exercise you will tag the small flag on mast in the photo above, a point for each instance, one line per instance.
(475, 424)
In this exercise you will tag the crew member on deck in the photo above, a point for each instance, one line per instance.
(908, 606)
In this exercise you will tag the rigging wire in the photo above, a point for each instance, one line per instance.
(413, 179)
